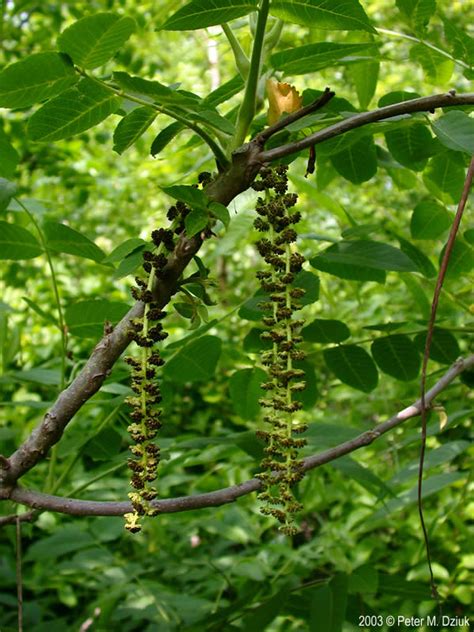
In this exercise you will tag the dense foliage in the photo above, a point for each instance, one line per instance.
(122, 139)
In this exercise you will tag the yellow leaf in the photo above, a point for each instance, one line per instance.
(282, 98)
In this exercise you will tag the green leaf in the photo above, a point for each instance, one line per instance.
(444, 176)
(124, 249)
(62, 238)
(309, 396)
(353, 366)
(310, 283)
(132, 126)
(462, 44)
(93, 40)
(410, 146)
(418, 12)
(429, 220)
(48, 377)
(224, 92)
(444, 346)
(196, 221)
(86, 319)
(200, 14)
(72, 112)
(34, 79)
(66, 540)
(398, 96)
(456, 131)
(418, 257)
(326, 330)
(104, 446)
(219, 211)
(363, 475)
(259, 618)
(165, 136)
(213, 119)
(314, 57)
(357, 163)
(49, 318)
(461, 261)
(364, 579)
(418, 294)
(345, 15)
(195, 362)
(7, 191)
(339, 585)
(437, 68)
(398, 585)
(321, 609)
(17, 243)
(364, 76)
(366, 253)
(195, 198)
(9, 158)
(245, 391)
(157, 92)
(252, 342)
(130, 263)
(431, 485)
(469, 235)
(343, 270)
(397, 356)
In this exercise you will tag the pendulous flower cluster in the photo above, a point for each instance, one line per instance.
(281, 465)
(147, 333)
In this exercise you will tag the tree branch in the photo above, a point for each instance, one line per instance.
(223, 189)
(72, 506)
(424, 104)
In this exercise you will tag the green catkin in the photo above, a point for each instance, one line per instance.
(282, 468)
(145, 402)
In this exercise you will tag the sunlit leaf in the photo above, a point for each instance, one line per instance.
(132, 126)
(444, 176)
(72, 112)
(86, 319)
(62, 238)
(345, 15)
(455, 130)
(200, 14)
(314, 57)
(429, 220)
(93, 40)
(34, 79)
(17, 243)
(7, 191)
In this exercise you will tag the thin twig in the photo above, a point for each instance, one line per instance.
(429, 337)
(424, 104)
(226, 495)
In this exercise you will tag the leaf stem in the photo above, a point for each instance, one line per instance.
(241, 60)
(219, 155)
(247, 108)
(412, 38)
(62, 322)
